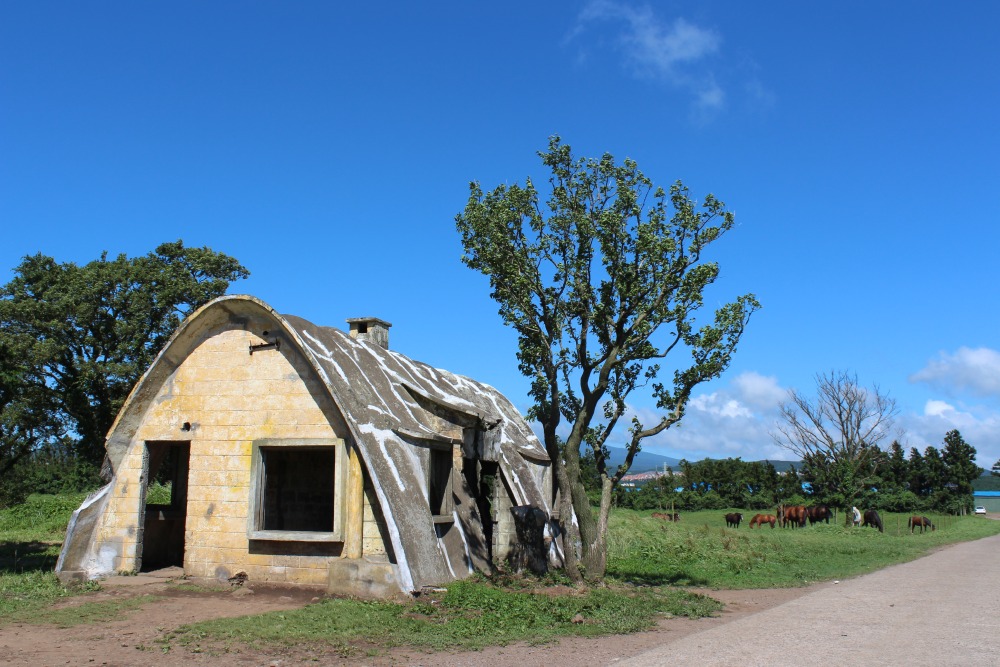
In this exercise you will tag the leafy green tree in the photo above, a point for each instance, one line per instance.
(81, 336)
(917, 476)
(936, 494)
(995, 470)
(602, 282)
(24, 424)
(837, 435)
(959, 459)
(895, 474)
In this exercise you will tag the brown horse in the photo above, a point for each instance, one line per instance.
(675, 517)
(794, 514)
(760, 519)
(872, 519)
(819, 513)
(922, 522)
(733, 519)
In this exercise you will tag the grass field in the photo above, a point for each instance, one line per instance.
(701, 551)
(648, 560)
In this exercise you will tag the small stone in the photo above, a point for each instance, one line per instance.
(578, 618)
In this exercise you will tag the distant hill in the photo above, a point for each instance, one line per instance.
(986, 483)
(643, 461)
(646, 461)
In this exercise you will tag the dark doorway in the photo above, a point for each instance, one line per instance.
(165, 490)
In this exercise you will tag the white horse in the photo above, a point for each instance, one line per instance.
(857, 516)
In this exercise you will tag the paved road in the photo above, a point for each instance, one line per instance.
(943, 609)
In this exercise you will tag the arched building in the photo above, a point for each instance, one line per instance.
(301, 454)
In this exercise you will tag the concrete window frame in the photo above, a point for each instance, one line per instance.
(255, 520)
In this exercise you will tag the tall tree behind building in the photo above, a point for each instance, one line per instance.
(74, 339)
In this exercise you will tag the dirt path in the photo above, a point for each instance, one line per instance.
(134, 640)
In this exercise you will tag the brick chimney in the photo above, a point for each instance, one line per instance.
(370, 330)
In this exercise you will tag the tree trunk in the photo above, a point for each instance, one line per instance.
(595, 558)
(570, 528)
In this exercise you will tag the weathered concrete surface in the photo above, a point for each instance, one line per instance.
(943, 609)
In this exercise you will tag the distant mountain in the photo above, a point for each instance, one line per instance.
(646, 461)
(643, 461)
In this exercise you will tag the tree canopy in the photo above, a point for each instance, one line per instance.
(602, 282)
(74, 339)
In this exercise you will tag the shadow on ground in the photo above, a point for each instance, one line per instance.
(18, 557)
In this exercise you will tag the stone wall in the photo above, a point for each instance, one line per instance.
(221, 399)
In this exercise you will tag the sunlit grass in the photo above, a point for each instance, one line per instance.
(701, 551)
(470, 615)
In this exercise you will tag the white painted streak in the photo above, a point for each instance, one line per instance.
(447, 558)
(515, 479)
(381, 435)
(465, 541)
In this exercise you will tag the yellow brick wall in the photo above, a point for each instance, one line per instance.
(230, 398)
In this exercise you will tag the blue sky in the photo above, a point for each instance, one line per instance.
(330, 147)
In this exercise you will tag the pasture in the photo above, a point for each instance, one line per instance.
(700, 550)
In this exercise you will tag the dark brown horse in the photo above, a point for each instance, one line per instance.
(760, 519)
(733, 519)
(921, 522)
(872, 519)
(794, 514)
(819, 513)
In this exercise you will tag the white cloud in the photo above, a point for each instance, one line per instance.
(979, 426)
(659, 49)
(760, 391)
(976, 370)
(735, 420)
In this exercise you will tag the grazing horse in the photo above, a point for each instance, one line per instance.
(760, 519)
(794, 514)
(922, 522)
(675, 517)
(873, 519)
(819, 513)
(857, 516)
(733, 519)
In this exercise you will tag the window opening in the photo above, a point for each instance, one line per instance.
(298, 490)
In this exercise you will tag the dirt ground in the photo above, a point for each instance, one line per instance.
(134, 640)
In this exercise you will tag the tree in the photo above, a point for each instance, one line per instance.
(23, 423)
(895, 475)
(76, 338)
(960, 464)
(935, 478)
(837, 435)
(601, 283)
(918, 476)
(995, 470)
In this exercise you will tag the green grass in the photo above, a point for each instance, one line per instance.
(30, 538)
(40, 518)
(701, 551)
(470, 615)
